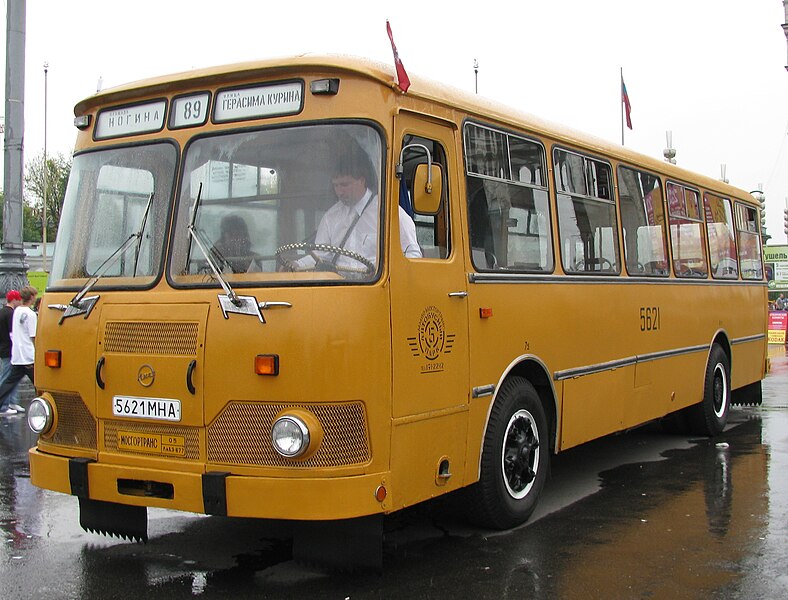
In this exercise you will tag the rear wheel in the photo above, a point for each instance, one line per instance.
(514, 458)
(710, 416)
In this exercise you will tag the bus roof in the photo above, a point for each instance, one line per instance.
(449, 97)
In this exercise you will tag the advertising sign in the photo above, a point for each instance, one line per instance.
(778, 323)
(776, 259)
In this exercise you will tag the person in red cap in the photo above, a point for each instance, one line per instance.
(12, 300)
(23, 332)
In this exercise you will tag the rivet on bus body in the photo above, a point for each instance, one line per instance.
(380, 493)
(485, 313)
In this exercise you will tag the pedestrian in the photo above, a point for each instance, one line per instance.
(12, 300)
(23, 332)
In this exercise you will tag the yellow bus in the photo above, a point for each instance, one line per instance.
(287, 290)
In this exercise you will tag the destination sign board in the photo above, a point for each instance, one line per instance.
(254, 102)
(129, 120)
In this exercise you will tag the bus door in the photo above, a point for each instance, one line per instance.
(429, 307)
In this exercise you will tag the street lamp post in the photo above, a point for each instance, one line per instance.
(46, 179)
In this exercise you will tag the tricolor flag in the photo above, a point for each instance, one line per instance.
(627, 105)
(402, 77)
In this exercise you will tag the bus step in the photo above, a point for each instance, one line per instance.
(346, 545)
(110, 518)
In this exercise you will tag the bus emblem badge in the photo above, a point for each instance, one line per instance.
(432, 340)
(146, 376)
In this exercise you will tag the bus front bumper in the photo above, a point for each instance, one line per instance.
(214, 493)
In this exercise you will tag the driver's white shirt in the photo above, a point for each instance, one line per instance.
(363, 238)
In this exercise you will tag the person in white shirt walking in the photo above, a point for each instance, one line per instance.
(23, 334)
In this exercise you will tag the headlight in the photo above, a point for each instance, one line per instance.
(290, 436)
(39, 416)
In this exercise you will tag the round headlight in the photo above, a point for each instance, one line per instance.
(290, 436)
(39, 416)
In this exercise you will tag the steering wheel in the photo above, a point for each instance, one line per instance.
(324, 265)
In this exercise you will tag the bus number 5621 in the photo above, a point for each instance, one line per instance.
(649, 318)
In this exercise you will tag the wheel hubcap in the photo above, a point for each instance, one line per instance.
(720, 390)
(520, 454)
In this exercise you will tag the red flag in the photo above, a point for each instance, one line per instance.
(402, 77)
(627, 105)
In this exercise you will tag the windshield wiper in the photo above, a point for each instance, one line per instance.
(81, 305)
(196, 235)
(230, 302)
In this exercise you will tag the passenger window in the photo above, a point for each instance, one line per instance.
(432, 230)
(643, 222)
(508, 203)
(686, 232)
(749, 242)
(722, 242)
(586, 214)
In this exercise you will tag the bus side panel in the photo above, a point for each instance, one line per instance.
(418, 450)
(589, 414)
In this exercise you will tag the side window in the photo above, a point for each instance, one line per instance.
(686, 232)
(586, 214)
(508, 202)
(432, 230)
(749, 242)
(722, 242)
(643, 222)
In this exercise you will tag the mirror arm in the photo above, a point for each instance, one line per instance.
(399, 168)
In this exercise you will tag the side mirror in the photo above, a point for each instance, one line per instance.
(427, 189)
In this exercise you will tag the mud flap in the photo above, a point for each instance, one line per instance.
(346, 545)
(110, 518)
(749, 395)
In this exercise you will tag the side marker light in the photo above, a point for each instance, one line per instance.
(266, 364)
(485, 313)
(52, 359)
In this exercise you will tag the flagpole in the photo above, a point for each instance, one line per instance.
(621, 100)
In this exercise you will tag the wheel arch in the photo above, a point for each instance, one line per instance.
(532, 369)
(723, 341)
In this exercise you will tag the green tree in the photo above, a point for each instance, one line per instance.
(53, 179)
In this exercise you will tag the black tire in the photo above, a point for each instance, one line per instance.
(515, 459)
(710, 416)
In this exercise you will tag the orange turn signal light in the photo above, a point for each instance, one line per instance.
(52, 358)
(485, 312)
(266, 364)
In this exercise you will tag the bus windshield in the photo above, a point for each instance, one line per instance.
(257, 203)
(113, 195)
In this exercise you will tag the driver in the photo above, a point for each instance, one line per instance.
(352, 222)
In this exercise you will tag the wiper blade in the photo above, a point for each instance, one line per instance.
(103, 268)
(141, 231)
(113, 258)
(195, 234)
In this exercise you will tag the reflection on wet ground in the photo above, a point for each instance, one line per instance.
(640, 515)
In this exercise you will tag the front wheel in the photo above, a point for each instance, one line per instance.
(514, 459)
(710, 416)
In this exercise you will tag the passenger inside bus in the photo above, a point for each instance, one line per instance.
(233, 250)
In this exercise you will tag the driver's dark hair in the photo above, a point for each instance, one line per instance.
(353, 161)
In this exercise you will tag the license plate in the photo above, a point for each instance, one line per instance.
(160, 409)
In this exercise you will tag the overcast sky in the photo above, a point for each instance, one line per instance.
(711, 71)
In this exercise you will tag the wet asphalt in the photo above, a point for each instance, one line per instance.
(638, 515)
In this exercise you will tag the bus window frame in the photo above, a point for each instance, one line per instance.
(730, 226)
(242, 281)
(739, 230)
(511, 181)
(701, 220)
(105, 283)
(665, 240)
(611, 202)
